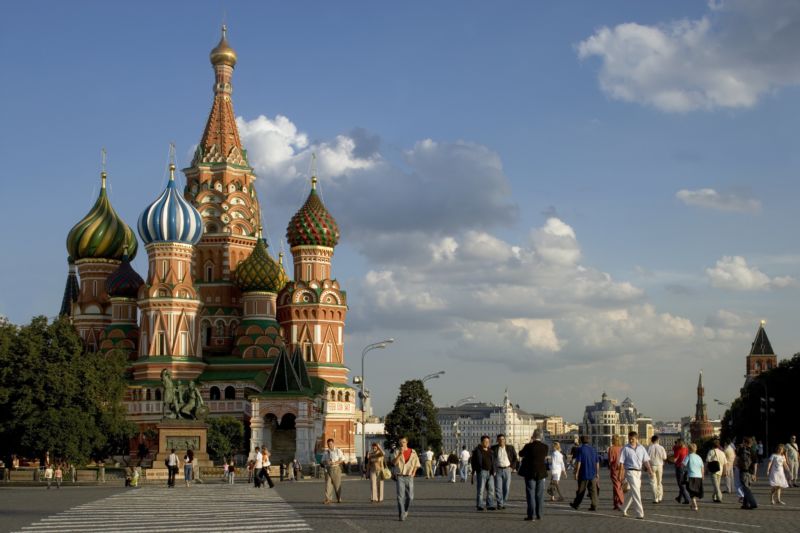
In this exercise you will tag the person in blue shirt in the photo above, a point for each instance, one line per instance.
(587, 473)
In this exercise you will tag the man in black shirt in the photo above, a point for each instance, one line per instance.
(483, 466)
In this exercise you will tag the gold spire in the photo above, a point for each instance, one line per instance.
(171, 161)
(103, 174)
(223, 54)
(763, 322)
(313, 171)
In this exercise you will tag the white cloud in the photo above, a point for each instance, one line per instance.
(556, 242)
(711, 199)
(737, 52)
(729, 326)
(733, 272)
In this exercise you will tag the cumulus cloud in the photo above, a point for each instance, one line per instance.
(729, 58)
(728, 326)
(733, 272)
(711, 199)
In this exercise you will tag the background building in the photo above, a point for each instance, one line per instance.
(606, 418)
(464, 425)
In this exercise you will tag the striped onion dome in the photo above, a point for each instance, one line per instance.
(313, 225)
(101, 234)
(124, 281)
(170, 218)
(260, 272)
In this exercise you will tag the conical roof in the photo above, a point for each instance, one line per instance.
(761, 344)
(101, 234)
(71, 291)
(313, 225)
(300, 368)
(124, 281)
(260, 272)
(283, 378)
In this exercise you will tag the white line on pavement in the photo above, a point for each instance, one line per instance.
(564, 508)
(706, 520)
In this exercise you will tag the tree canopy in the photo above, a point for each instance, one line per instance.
(225, 437)
(57, 398)
(414, 416)
(747, 415)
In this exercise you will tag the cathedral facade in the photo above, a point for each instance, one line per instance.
(216, 308)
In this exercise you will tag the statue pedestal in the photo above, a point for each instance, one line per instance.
(182, 435)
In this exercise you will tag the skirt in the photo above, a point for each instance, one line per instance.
(695, 487)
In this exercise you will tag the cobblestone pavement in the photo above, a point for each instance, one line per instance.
(441, 507)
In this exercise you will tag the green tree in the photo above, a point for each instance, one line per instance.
(225, 437)
(747, 415)
(414, 416)
(57, 398)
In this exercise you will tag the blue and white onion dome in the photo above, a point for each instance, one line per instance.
(171, 218)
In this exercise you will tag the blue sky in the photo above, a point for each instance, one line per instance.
(559, 198)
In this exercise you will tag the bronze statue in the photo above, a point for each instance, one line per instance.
(180, 401)
(171, 398)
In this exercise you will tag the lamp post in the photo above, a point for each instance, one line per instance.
(435, 375)
(359, 380)
(724, 404)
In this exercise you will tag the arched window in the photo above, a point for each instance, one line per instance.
(147, 394)
(347, 396)
(209, 276)
(230, 393)
(213, 394)
(758, 365)
(340, 396)
(333, 396)
(220, 329)
(158, 395)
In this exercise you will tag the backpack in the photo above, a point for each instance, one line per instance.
(744, 460)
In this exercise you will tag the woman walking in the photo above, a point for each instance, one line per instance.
(716, 462)
(694, 471)
(375, 466)
(557, 469)
(188, 464)
(776, 470)
(616, 471)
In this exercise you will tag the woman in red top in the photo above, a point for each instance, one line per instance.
(617, 473)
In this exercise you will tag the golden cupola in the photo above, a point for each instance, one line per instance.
(223, 54)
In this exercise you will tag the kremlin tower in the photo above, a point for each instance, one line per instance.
(761, 357)
(700, 428)
(216, 309)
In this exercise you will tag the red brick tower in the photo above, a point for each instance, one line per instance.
(312, 308)
(701, 428)
(761, 357)
(220, 183)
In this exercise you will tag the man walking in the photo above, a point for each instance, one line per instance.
(679, 454)
(483, 465)
(452, 467)
(427, 459)
(258, 465)
(172, 466)
(587, 473)
(463, 463)
(727, 472)
(407, 462)
(716, 455)
(746, 464)
(505, 460)
(657, 455)
(332, 460)
(633, 458)
(792, 459)
(534, 470)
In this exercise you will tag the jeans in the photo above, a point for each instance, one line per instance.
(485, 489)
(187, 473)
(405, 495)
(172, 470)
(463, 470)
(534, 495)
(502, 483)
(683, 494)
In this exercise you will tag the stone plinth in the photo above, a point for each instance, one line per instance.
(182, 435)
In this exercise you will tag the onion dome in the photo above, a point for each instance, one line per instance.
(313, 225)
(124, 281)
(170, 218)
(223, 54)
(260, 272)
(101, 234)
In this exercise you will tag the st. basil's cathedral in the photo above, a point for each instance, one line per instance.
(216, 308)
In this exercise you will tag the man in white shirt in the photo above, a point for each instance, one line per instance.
(657, 455)
(427, 458)
(792, 460)
(332, 459)
(172, 466)
(257, 467)
(463, 464)
(727, 472)
(716, 454)
(505, 462)
(634, 458)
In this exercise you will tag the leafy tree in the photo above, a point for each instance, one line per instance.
(414, 416)
(747, 415)
(57, 398)
(225, 437)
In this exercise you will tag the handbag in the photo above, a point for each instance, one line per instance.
(713, 467)
(385, 474)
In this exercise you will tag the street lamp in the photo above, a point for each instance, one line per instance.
(435, 375)
(359, 380)
(723, 404)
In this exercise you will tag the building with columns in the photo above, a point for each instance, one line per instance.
(215, 306)
(607, 418)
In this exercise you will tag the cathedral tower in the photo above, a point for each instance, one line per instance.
(701, 428)
(96, 245)
(220, 183)
(312, 308)
(122, 333)
(169, 303)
